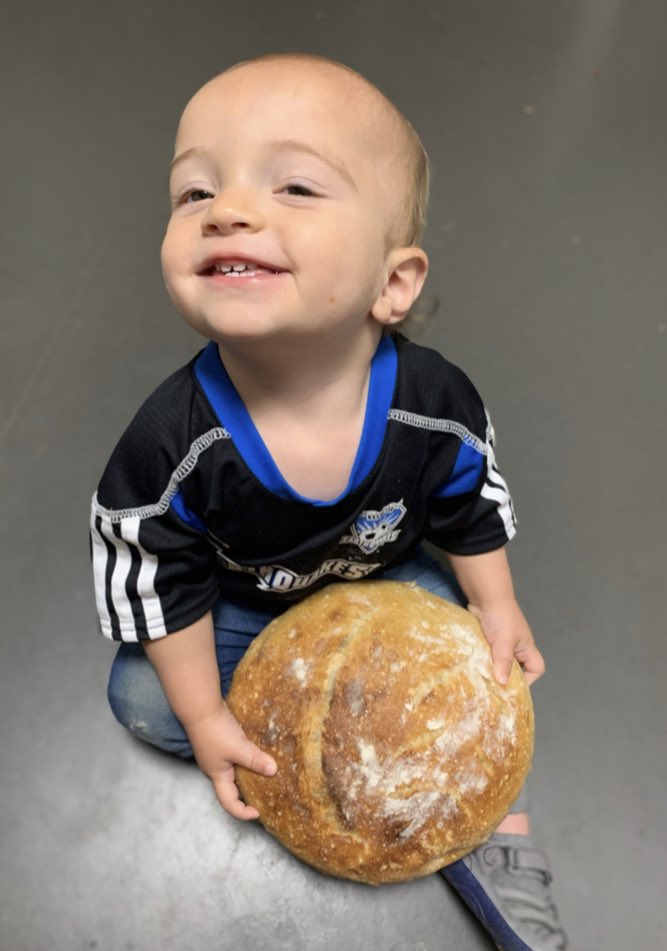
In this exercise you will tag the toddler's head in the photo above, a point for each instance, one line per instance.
(300, 169)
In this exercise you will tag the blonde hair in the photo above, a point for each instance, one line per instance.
(415, 204)
(411, 220)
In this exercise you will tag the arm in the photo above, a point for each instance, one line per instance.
(487, 584)
(186, 664)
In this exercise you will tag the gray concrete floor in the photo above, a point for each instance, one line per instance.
(546, 122)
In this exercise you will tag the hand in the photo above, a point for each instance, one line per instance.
(510, 637)
(219, 743)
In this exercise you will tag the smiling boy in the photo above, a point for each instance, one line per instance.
(308, 442)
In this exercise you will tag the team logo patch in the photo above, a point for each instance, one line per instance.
(372, 529)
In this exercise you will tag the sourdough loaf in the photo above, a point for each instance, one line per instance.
(397, 750)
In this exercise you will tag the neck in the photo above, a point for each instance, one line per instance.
(299, 373)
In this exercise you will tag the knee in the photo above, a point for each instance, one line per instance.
(125, 708)
(124, 687)
(138, 703)
(130, 710)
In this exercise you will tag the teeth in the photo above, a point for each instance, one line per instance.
(234, 268)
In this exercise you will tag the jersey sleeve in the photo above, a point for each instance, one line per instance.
(470, 510)
(153, 567)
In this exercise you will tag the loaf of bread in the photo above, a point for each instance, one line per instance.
(397, 750)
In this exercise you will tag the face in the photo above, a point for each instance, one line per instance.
(280, 206)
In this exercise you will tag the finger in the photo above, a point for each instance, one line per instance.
(503, 658)
(228, 796)
(247, 754)
(243, 751)
(532, 663)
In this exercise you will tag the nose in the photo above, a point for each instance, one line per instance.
(232, 209)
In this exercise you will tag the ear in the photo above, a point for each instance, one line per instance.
(405, 275)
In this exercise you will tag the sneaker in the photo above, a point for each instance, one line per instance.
(505, 883)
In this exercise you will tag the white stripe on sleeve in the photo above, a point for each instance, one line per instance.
(495, 488)
(118, 593)
(100, 559)
(146, 580)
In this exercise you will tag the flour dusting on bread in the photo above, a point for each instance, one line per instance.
(397, 750)
(300, 669)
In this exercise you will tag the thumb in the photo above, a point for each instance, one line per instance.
(249, 755)
(503, 658)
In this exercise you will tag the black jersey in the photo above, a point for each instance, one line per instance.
(191, 505)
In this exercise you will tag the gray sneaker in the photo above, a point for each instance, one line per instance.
(505, 883)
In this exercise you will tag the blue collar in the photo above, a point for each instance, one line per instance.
(233, 415)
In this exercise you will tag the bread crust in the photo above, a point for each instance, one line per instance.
(397, 750)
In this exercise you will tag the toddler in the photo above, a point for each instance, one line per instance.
(309, 441)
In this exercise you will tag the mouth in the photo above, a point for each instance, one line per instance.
(238, 269)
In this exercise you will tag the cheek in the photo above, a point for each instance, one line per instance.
(342, 258)
(165, 252)
(171, 257)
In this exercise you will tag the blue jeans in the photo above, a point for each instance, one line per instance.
(135, 693)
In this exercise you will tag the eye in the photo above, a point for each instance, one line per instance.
(195, 194)
(299, 191)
